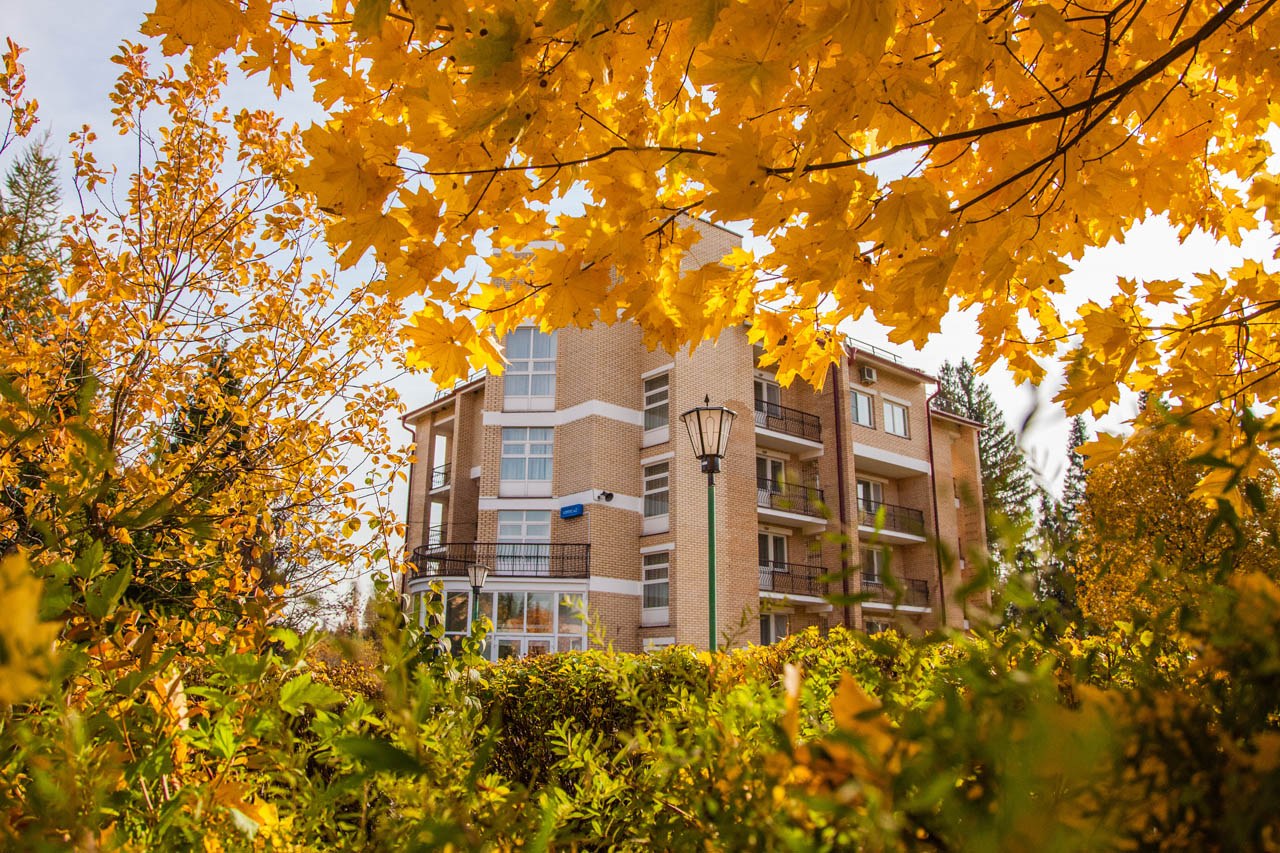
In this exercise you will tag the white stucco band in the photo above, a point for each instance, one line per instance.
(565, 416)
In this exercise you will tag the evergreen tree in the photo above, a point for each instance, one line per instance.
(29, 231)
(1060, 530)
(1007, 487)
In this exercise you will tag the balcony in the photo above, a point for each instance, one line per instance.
(788, 430)
(505, 559)
(900, 593)
(792, 579)
(790, 504)
(440, 476)
(896, 524)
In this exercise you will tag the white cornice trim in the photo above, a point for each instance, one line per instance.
(628, 503)
(657, 370)
(890, 458)
(661, 457)
(653, 549)
(597, 408)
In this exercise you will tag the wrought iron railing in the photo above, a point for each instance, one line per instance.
(440, 476)
(913, 593)
(790, 421)
(793, 578)
(902, 519)
(505, 559)
(436, 536)
(789, 497)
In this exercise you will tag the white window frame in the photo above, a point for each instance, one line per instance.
(533, 528)
(657, 481)
(891, 407)
(876, 626)
(874, 493)
(774, 627)
(525, 368)
(574, 637)
(871, 561)
(655, 571)
(862, 404)
(655, 399)
(524, 438)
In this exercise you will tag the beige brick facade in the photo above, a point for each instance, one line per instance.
(927, 482)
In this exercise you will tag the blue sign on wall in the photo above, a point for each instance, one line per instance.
(571, 511)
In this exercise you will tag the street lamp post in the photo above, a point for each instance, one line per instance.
(477, 574)
(708, 428)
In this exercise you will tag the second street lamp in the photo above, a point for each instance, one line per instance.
(708, 428)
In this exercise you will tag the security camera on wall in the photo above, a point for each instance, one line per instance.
(604, 496)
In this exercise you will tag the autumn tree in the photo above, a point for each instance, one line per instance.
(1146, 544)
(1007, 487)
(904, 158)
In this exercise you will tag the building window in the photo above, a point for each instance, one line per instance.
(863, 413)
(657, 410)
(773, 551)
(872, 566)
(876, 626)
(870, 495)
(657, 589)
(530, 377)
(653, 644)
(773, 627)
(526, 462)
(895, 419)
(524, 623)
(524, 537)
(657, 498)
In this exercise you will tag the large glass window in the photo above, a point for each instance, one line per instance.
(895, 419)
(870, 495)
(526, 462)
(863, 413)
(524, 623)
(657, 498)
(657, 403)
(530, 377)
(872, 566)
(523, 542)
(773, 627)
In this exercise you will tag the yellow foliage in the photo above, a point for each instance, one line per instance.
(26, 642)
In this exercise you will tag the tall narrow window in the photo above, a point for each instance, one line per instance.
(773, 551)
(895, 419)
(872, 566)
(769, 474)
(657, 409)
(526, 462)
(530, 377)
(657, 589)
(657, 498)
(870, 495)
(863, 413)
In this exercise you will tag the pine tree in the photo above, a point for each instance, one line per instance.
(1060, 530)
(1007, 487)
(29, 231)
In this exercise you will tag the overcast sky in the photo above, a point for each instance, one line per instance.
(70, 73)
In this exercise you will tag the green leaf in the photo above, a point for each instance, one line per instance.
(102, 597)
(369, 17)
(301, 691)
(382, 755)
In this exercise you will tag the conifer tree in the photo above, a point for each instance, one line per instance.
(1060, 530)
(1007, 488)
(29, 230)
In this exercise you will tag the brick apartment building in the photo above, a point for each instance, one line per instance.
(573, 479)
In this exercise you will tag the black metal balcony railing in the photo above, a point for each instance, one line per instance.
(914, 593)
(435, 536)
(901, 519)
(440, 476)
(793, 578)
(789, 497)
(508, 559)
(790, 421)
